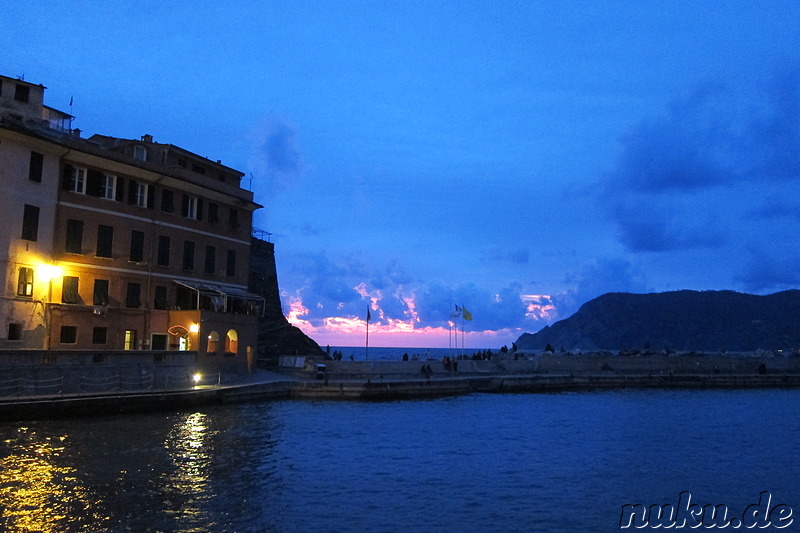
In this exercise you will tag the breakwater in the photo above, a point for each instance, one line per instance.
(393, 380)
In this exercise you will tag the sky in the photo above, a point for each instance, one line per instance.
(514, 158)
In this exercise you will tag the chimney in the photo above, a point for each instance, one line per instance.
(76, 132)
(147, 138)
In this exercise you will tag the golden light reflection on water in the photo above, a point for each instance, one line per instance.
(189, 453)
(37, 494)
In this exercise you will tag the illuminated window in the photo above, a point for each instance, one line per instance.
(213, 343)
(25, 282)
(130, 339)
(231, 342)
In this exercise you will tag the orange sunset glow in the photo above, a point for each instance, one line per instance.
(390, 332)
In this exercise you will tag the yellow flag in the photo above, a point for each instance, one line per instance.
(467, 315)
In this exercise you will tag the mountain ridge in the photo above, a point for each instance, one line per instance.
(676, 320)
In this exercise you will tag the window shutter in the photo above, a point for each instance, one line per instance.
(199, 209)
(151, 196)
(132, 192)
(66, 178)
(94, 183)
(185, 206)
(120, 189)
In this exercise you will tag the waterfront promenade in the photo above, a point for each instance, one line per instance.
(395, 380)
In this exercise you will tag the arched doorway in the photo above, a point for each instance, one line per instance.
(232, 342)
(213, 343)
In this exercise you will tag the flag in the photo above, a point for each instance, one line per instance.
(369, 316)
(70, 101)
(467, 315)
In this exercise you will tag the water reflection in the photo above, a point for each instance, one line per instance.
(36, 492)
(188, 448)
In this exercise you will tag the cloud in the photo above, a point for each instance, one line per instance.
(342, 286)
(277, 158)
(674, 184)
(498, 254)
(610, 274)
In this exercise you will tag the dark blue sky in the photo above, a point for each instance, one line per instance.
(418, 155)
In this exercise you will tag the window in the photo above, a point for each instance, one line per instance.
(100, 335)
(188, 255)
(158, 341)
(69, 334)
(14, 331)
(140, 194)
(192, 207)
(160, 300)
(182, 163)
(69, 290)
(35, 168)
(167, 201)
(140, 152)
(22, 93)
(76, 180)
(163, 251)
(233, 219)
(109, 187)
(30, 223)
(130, 339)
(137, 246)
(25, 282)
(199, 169)
(213, 213)
(209, 266)
(100, 292)
(230, 264)
(105, 239)
(74, 244)
(133, 296)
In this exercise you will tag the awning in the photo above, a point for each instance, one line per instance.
(221, 294)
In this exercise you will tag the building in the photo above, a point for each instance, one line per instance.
(119, 244)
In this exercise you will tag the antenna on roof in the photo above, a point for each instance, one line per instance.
(250, 187)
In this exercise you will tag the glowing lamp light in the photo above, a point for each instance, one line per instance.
(194, 328)
(197, 377)
(47, 272)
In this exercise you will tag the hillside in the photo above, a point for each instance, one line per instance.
(276, 336)
(679, 320)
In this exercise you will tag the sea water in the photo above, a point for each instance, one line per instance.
(476, 463)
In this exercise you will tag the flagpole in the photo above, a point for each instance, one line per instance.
(366, 347)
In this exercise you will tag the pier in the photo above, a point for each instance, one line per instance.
(393, 380)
